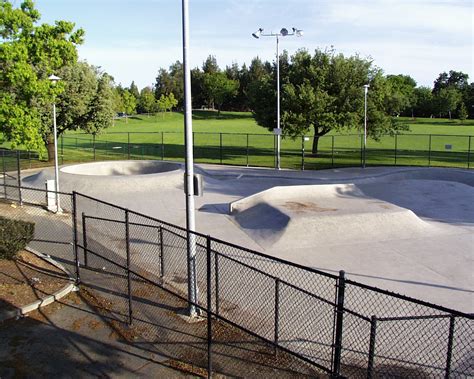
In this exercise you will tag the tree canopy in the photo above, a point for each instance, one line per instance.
(29, 53)
(323, 92)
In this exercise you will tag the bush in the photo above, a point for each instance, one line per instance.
(14, 236)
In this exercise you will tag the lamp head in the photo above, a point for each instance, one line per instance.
(284, 32)
(257, 33)
(54, 79)
(298, 32)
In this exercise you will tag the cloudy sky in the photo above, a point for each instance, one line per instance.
(131, 40)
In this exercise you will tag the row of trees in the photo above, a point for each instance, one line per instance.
(320, 92)
(451, 95)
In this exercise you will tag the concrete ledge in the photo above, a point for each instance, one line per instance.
(68, 288)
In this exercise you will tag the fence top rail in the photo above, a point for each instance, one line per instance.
(37, 189)
(412, 299)
(272, 135)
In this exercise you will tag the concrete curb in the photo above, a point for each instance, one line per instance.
(68, 288)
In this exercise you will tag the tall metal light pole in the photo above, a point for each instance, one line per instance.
(283, 33)
(366, 90)
(189, 169)
(54, 79)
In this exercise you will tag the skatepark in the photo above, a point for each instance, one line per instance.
(407, 230)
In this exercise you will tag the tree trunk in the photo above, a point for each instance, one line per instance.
(314, 150)
(449, 112)
(218, 110)
(50, 148)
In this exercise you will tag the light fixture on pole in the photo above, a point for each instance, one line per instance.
(189, 169)
(54, 79)
(366, 90)
(283, 33)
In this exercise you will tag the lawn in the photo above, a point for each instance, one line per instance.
(235, 138)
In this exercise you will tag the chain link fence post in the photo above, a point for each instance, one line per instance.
(62, 149)
(162, 146)
(18, 176)
(469, 152)
(84, 239)
(128, 145)
(396, 149)
(341, 285)
(220, 143)
(247, 150)
(449, 354)
(302, 153)
(93, 145)
(373, 333)
(332, 152)
(209, 307)
(429, 151)
(74, 235)
(216, 279)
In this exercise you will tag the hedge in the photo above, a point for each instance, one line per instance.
(14, 236)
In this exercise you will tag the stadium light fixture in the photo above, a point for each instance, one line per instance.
(283, 33)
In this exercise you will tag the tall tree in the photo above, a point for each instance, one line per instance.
(86, 102)
(324, 92)
(129, 103)
(29, 53)
(134, 90)
(210, 65)
(146, 101)
(402, 94)
(219, 88)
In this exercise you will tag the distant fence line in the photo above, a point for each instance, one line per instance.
(259, 150)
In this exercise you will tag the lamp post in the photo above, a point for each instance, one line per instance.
(283, 33)
(366, 90)
(189, 168)
(54, 79)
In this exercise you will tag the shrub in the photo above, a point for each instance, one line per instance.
(14, 236)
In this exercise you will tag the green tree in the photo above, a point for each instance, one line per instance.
(147, 102)
(29, 53)
(170, 81)
(462, 113)
(424, 102)
(402, 94)
(324, 92)
(219, 88)
(134, 90)
(167, 103)
(129, 103)
(86, 102)
(447, 100)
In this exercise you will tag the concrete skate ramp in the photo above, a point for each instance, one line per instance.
(315, 215)
(101, 178)
(120, 168)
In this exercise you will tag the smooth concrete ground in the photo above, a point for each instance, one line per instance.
(409, 230)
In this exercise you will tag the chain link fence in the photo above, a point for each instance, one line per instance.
(260, 316)
(259, 150)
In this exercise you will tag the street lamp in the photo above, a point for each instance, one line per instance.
(189, 168)
(54, 79)
(283, 33)
(366, 90)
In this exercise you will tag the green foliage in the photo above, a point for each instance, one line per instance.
(29, 53)
(86, 102)
(447, 100)
(14, 236)
(170, 82)
(218, 88)
(146, 101)
(321, 93)
(129, 102)
(402, 94)
(167, 102)
(462, 113)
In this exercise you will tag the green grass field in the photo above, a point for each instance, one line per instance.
(236, 139)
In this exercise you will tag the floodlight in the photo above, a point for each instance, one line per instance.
(284, 32)
(298, 32)
(257, 33)
(54, 79)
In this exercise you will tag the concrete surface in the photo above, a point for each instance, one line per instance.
(409, 230)
(71, 341)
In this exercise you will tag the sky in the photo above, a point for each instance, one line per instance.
(132, 40)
